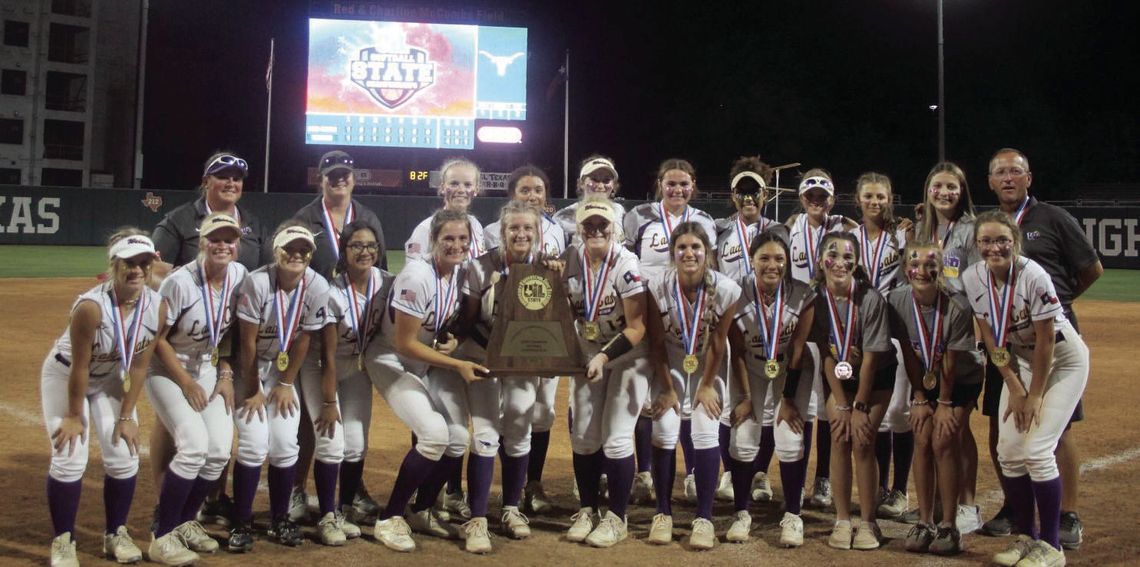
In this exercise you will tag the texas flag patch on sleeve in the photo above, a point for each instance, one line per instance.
(412, 248)
(631, 277)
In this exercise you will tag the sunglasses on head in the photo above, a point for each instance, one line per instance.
(226, 161)
(811, 182)
(336, 160)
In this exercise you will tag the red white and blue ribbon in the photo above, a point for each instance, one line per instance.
(126, 339)
(745, 243)
(215, 318)
(331, 229)
(770, 330)
(1001, 307)
(812, 237)
(945, 237)
(1023, 208)
(288, 318)
(446, 296)
(473, 249)
(359, 318)
(873, 258)
(842, 331)
(689, 316)
(929, 342)
(594, 285)
(668, 224)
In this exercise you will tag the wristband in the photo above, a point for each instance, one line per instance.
(916, 402)
(332, 403)
(945, 402)
(792, 382)
(861, 406)
(285, 384)
(842, 408)
(618, 346)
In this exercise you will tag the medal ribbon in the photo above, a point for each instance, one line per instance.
(949, 229)
(842, 332)
(331, 230)
(1019, 215)
(811, 238)
(928, 341)
(745, 243)
(689, 316)
(666, 223)
(358, 312)
(770, 331)
(473, 250)
(126, 340)
(873, 261)
(445, 298)
(594, 285)
(1000, 325)
(287, 319)
(215, 318)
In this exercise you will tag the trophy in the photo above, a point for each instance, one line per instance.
(533, 334)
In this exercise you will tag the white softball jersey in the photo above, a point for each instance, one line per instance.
(418, 246)
(647, 234)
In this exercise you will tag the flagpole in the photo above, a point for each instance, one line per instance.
(268, 113)
(566, 129)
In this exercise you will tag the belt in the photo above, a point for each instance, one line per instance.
(62, 360)
(1057, 338)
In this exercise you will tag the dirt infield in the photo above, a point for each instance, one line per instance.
(36, 313)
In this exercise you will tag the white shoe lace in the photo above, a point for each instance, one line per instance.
(512, 517)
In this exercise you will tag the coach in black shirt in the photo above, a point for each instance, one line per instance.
(328, 214)
(1052, 238)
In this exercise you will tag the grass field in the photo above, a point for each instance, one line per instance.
(79, 261)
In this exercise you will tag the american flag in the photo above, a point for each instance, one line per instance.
(412, 248)
(407, 295)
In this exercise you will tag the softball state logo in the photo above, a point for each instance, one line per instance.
(392, 79)
(535, 292)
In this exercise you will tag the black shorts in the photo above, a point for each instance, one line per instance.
(961, 395)
(884, 379)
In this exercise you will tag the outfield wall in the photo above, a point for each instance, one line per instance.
(77, 216)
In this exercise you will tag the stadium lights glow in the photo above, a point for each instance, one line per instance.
(499, 135)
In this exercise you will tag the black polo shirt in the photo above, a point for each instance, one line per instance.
(176, 236)
(1053, 238)
(324, 257)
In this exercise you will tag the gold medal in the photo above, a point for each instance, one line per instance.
(691, 363)
(360, 362)
(1000, 357)
(282, 361)
(126, 382)
(591, 331)
(214, 357)
(930, 380)
(772, 369)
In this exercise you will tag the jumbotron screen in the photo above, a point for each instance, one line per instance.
(411, 85)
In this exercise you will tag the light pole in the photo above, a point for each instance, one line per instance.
(941, 92)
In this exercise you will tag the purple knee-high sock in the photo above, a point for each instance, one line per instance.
(455, 480)
(280, 488)
(514, 476)
(767, 448)
(195, 498)
(707, 470)
(539, 444)
(325, 477)
(1048, 496)
(480, 472)
(883, 457)
(903, 446)
(1019, 492)
(117, 496)
(792, 476)
(172, 501)
(664, 471)
(686, 442)
(643, 443)
(246, 479)
(823, 449)
(588, 475)
(741, 483)
(431, 484)
(413, 470)
(807, 448)
(350, 474)
(620, 481)
(724, 435)
(63, 502)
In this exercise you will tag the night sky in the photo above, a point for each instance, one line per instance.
(844, 85)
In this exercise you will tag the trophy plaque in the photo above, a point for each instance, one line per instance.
(533, 334)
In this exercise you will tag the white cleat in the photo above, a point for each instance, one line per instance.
(63, 551)
(661, 532)
(394, 533)
(738, 532)
(791, 530)
(329, 532)
(724, 490)
(703, 536)
(761, 487)
(476, 536)
(169, 550)
(515, 524)
(120, 547)
(611, 529)
(581, 524)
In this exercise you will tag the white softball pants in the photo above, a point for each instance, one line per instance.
(544, 413)
(1031, 452)
(202, 440)
(705, 427)
(897, 418)
(101, 407)
(412, 402)
(744, 441)
(606, 410)
(274, 437)
(354, 400)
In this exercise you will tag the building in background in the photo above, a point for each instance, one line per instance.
(68, 91)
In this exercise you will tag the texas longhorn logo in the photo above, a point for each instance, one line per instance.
(392, 78)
